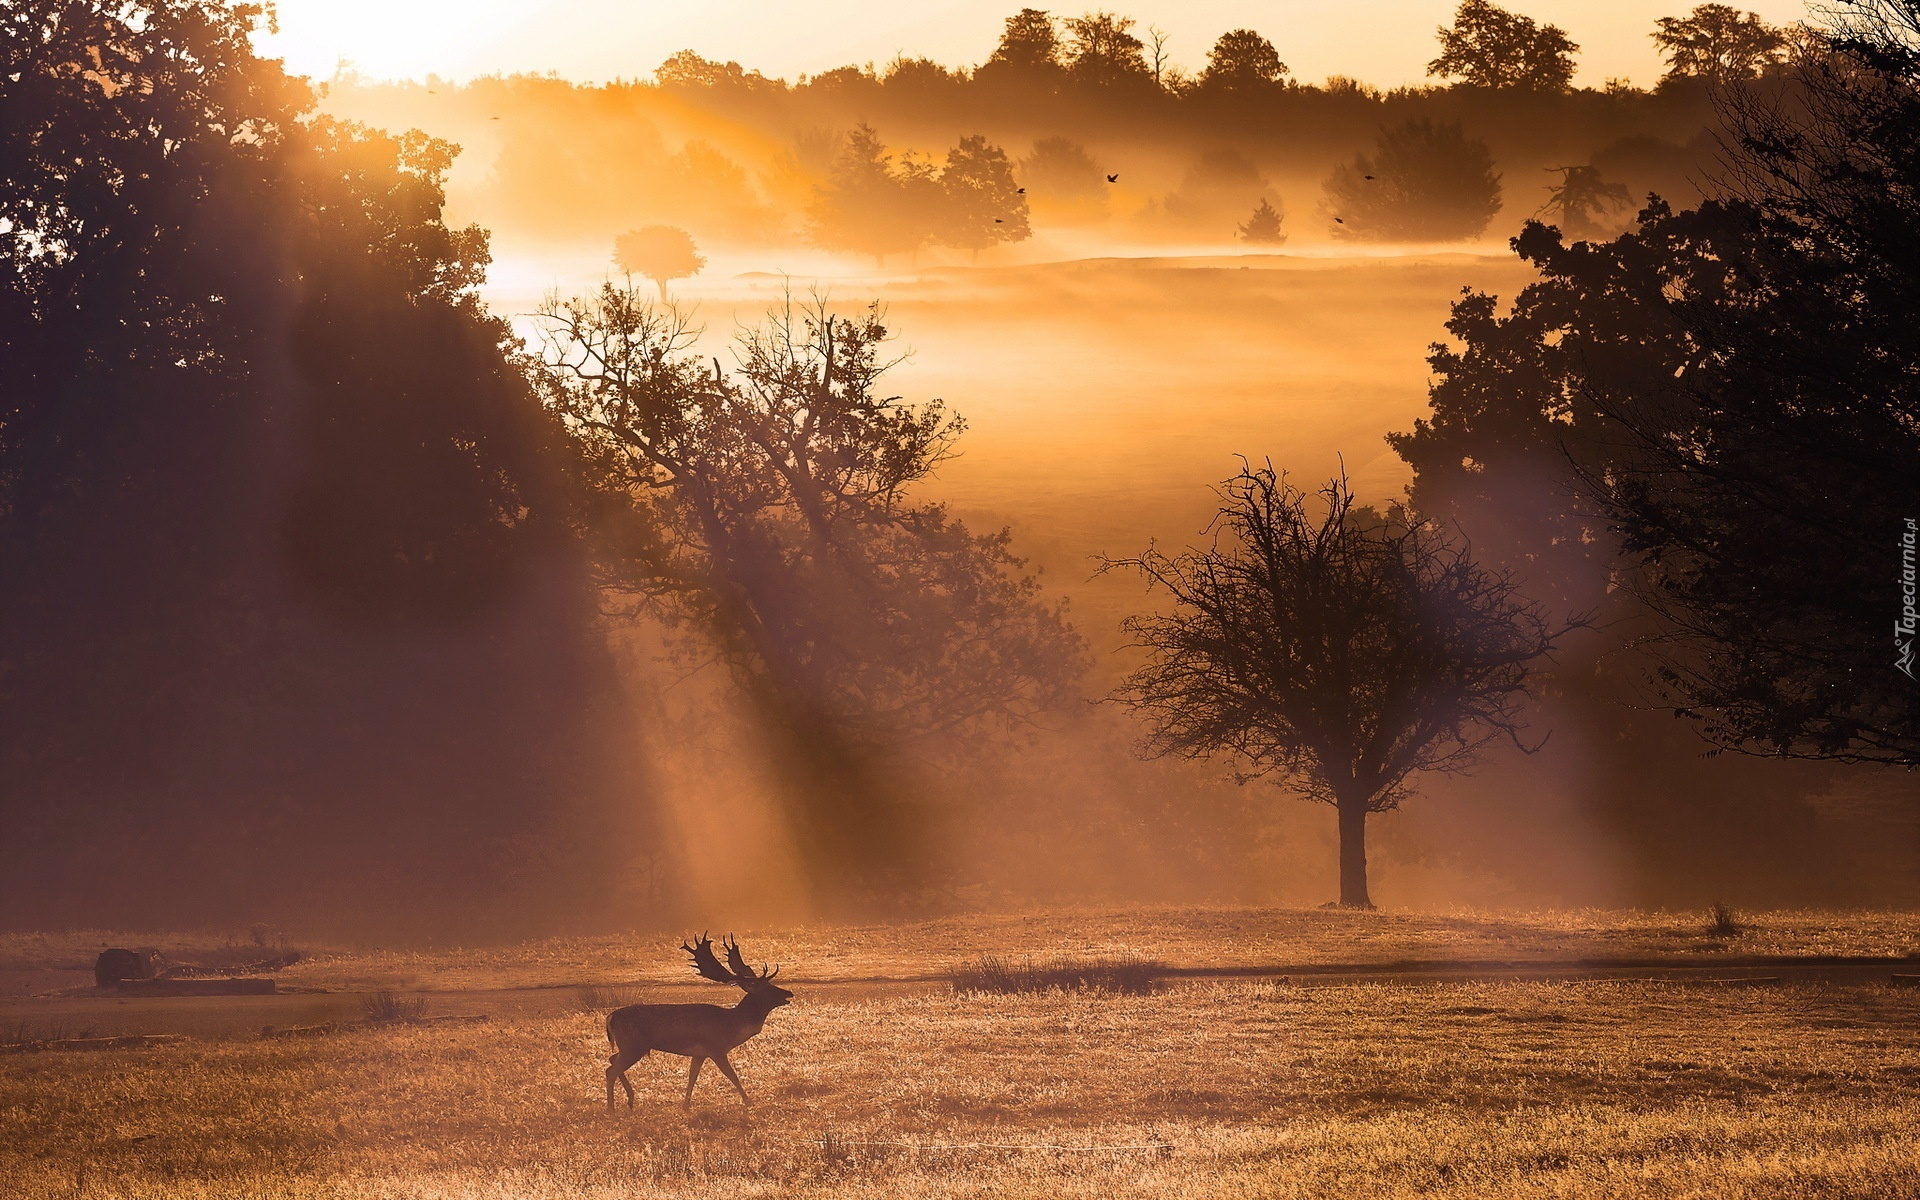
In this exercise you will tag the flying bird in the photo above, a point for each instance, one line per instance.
(998, 221)
(1369, 177)
(1339, 220)
(1022, 191)
(1113, 179)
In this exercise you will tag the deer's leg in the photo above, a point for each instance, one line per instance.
(692, 1076)
(726, 1068)
(617, 1064)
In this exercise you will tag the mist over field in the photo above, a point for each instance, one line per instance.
(1092, 615)
(351, 678)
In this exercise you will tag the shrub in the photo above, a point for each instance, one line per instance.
(384, 1008)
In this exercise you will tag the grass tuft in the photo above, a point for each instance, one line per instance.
(388, 1008)
(1723, 921)
(1127, 974)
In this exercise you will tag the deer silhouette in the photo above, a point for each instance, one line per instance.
(699, 1031)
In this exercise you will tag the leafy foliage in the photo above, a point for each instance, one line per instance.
(1263, 227)
(1730, 388)
(872, 205)
(1242, 61)
(1423, 183)
(1102, 52)
(1718, 43)
(659, 253)
(984, 205)
(1489, 47)
(1029, 51)
(1060, 169)
(255, 420)
(875, 205)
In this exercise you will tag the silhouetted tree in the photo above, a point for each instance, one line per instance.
(1242, 62)
(769, 511)
(271, 497)
(922, 82)
(1060, 168)
(1102, 52)
(1731, 390)
(686, 70)
(711, 193)
(1343, 652)
(984, 205)
(1581, 199)
(1263, 227)
(659, 253)
(1489, 47)
(1423, 182)
(872, 205)
(1718, 43)
(1029, 52)
(1164, 73)
(1215, 190)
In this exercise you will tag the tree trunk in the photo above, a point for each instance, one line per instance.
(1353, 853)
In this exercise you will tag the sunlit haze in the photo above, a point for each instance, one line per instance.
(838, 599)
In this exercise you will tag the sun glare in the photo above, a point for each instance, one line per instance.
(384, 39)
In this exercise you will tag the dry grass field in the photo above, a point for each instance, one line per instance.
(1207, 1088)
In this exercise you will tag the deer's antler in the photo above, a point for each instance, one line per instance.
(745, 974)
(706, 963)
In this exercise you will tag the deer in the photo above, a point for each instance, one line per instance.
(699, 1031)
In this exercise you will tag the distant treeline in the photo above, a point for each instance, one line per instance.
(735, 156)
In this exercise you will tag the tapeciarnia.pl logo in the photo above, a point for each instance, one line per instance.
(1903, 628)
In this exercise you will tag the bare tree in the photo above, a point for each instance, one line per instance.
(1343, 652)
(1157, 53)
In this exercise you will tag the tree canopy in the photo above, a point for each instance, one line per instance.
(659, 253)
(769, 512)
(1241, 61)
(1487, 46)
(1730, 390)
(1343, 652)
(1102, 52)
(1424, 182)
(257, 422)
(1718, 43)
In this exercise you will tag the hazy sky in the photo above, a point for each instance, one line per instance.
(1385, 42)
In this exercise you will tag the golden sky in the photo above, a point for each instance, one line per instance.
(1385, 42)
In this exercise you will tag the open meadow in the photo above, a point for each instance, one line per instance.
(1490, 1084)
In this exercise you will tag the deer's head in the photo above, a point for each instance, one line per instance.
(758, 985)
